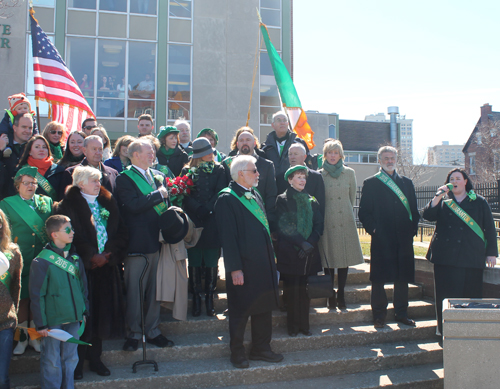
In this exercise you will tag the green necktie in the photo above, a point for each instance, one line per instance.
(281, 149)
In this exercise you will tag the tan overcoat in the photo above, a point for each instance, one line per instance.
(340, 242)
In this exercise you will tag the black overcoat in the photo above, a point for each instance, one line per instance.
(289, 240)
(246, 246)
(204, 195)
(104, 285)
(386, 219)
(456, 244)
(175, 162)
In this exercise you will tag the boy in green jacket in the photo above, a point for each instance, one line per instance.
(58, 292)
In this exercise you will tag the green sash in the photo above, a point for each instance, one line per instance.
(395, 188)
(218, 156)
(252, 206)
(144, 187)
(28, 215)
(60, 262)
(45, 185)
(320, 161)
(464, 216)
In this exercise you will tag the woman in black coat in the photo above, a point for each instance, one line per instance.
(300, 226)
(209, 179)
(171, 158)
(458, 252)
(101, 240)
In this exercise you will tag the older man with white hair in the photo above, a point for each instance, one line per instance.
(184, 135)
(251, 278)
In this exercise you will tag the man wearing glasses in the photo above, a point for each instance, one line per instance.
(279, 141)
(22, 131)
(88, 125)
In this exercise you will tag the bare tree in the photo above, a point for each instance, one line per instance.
(6, 8)
(419, 172)
(486, 146)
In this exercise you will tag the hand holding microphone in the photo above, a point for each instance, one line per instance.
(444, 189)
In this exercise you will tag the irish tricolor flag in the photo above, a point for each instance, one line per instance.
(288, 94)
(60, 335)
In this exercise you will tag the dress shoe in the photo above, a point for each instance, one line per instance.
(341, 302)
(99, 368)
(306, 332)
(130, 345)
(406, 320)
(161, 341)
(78, 374)
(379, 323)
(239, 361)
(267, 356)
(292, 333)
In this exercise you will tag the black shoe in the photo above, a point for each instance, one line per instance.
(161, 341)
(379, 323)
(407, 321)
(332, 301)
(130, 344)
(292, 333)
(306, 332)
(78, 374)
(341, 302)
(99, 368)
(239, 361)
(268, 356)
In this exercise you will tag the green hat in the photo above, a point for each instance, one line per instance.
(211, 132)
(294, 169)
(27, 171)
(165, 130)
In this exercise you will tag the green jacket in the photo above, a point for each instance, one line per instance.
(56, 296)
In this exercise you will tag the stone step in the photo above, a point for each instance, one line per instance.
(318, 315)
(355, 294)
(415, 377)
(218, 372)
(216, 344)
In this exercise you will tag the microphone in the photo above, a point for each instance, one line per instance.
(440, 192)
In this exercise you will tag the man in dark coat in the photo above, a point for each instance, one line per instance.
(92, 149)
(389, 213)
(22, 131)
(245, 145)
(141, 206)
(251, 278)
(279, 141)
(315, 185)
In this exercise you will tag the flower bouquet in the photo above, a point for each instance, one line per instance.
(178, 188)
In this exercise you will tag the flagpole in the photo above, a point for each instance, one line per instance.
(38, 117)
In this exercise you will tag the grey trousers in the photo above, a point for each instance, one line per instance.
(133, 271)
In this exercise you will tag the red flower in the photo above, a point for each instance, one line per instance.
(170, 184)
(190, 182)
(174, 191)
(177, 180)
(185, 178)
(182, 184)
(188, 191)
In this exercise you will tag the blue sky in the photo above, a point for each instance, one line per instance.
(438, 61)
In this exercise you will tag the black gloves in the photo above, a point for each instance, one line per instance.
(305, 249)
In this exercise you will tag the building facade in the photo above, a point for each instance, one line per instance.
(446, 154)
(405, 138)
(192, 59)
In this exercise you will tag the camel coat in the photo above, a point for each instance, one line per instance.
(340, 242)
(171, 274)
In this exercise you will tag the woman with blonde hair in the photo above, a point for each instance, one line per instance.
(54, 132)
(339, 245)
(10, 287)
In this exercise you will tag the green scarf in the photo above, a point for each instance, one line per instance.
(207, 166)
(304, 214)
(56, 151)
(334, 170)
(165, 152)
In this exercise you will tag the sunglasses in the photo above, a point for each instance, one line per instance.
(89, 127)
(53, 132)
(254, 171)
(68, 230)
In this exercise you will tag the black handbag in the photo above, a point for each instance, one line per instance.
(320, 286)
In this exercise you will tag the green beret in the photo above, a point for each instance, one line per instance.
(211, 132)
(165, 130)
(27, 171)
(294, 169)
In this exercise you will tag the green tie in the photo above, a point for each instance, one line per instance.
(150, 179)
(281, 149)
(31, 203)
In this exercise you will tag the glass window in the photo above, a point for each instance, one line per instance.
(143, 7)
(110, 72)
(179, 73)
(180, 8)
(372, 158)
(352, 157)
(266, 114)
(275, 4)
(179, 109)
(113, 5)
(268, 89)
(271, 17)
(44, 3)
(80, 61)
(141, 69)
(85, 4)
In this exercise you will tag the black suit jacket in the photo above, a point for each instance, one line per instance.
(139, 214)
(108, 179)
(8, 169)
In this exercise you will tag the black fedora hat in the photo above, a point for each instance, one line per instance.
(174, 226)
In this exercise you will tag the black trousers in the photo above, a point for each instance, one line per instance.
(262, 327)
(379, 300)
(455, 282)
(297, 303)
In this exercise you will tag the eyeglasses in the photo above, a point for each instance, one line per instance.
(89, 127)
(281, 120)
(53, 132)
(254, 171)
(29, 183)
(68, 230)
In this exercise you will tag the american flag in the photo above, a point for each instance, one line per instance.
(55, 84)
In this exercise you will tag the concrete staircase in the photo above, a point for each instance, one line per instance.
(345, 351)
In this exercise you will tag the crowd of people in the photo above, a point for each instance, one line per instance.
(79, 221)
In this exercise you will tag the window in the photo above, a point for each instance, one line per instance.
(180, 8)
(179, 82)
(80, 59)
(113, 5)
(472, 164)
(143, 7)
